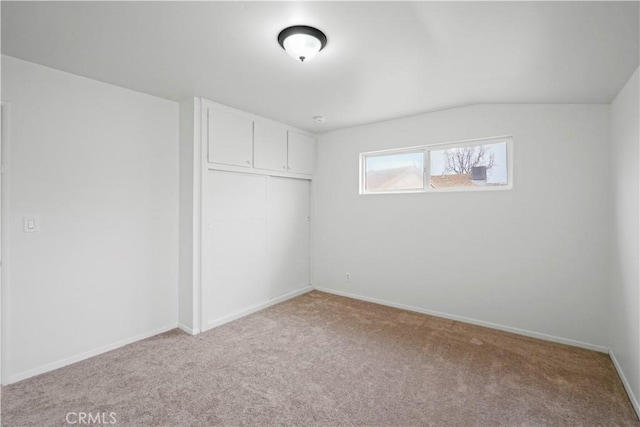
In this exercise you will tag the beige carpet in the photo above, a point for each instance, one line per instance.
(325, 360)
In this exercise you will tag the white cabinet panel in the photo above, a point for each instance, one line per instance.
(301, 153)
(234, 248)
(234, 269)
(288, 198)
(269, 147)
(230, 138)
(288, 235)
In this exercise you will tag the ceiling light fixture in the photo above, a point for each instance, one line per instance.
(302, 42)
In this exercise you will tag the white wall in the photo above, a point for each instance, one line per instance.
(189, 206)
(99, 165)
(624, 325)
(533, 258)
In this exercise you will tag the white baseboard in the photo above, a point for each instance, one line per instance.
(79, 357)
(627, 387)
(273, 301)
(188, 330)
(82, 356)
(518, 331)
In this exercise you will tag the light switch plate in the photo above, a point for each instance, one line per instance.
(31, 224)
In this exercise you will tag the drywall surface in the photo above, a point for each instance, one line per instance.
(624, 325)
(534, 258)
(98, 165)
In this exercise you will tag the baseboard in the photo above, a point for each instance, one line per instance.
(82, 356)
(627, 387)
(188, 330)
(273, 301)
(513, 330)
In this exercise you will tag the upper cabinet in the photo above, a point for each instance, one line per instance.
(269, 146)
(230, 138)
(301, 153)
(233, 138)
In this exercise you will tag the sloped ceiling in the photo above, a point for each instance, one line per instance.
(383, 59)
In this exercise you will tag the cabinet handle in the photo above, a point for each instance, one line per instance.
(248, 162)
(284, 167)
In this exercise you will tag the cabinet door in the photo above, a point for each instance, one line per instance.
(269, 147)
(230, 138)
(301, 153)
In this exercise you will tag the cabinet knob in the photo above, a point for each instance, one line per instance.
(248, 162)
(284, 167)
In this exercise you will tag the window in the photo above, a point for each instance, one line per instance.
(483, 164)
(394, 172)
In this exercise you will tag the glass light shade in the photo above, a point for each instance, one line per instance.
(302, 47)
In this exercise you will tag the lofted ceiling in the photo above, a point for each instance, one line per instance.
(383, 59)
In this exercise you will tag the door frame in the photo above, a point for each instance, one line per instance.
(5, 134)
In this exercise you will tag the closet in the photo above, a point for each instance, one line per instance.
(245, 213)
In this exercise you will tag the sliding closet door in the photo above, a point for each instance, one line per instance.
(255, 243)
(288, 235)
(234, 247)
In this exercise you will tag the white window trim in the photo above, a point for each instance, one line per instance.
(410, 150)
(426, 149)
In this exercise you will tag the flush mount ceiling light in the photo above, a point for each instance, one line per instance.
(302, 42)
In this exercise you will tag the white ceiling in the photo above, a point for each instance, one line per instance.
(383, 59)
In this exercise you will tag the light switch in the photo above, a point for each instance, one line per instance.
(31, 224)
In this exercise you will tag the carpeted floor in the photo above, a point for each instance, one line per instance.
(320, 359)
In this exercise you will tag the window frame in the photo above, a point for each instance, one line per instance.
(408, 150)
(426, 149)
